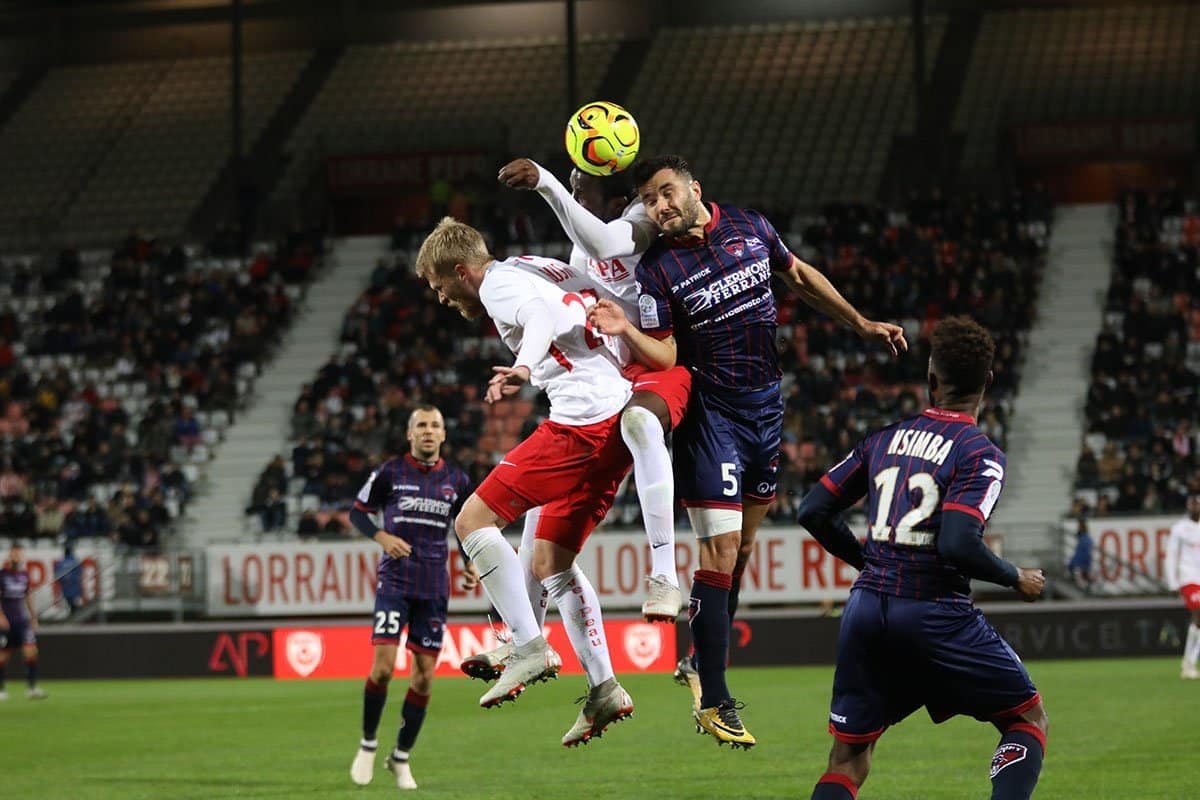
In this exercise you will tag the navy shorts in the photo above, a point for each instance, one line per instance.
(18, 635)
(896, 655)
(424, 617)
(727, 447)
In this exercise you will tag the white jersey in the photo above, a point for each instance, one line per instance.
(1181, 566)
(579, 373)
(609, 252)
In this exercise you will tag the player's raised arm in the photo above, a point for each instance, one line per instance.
(601, 240)
(816, 290)
(658, 354)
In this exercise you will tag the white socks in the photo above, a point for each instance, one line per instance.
(1191, 651)
(537, 592)
(580, 609)
(646, 441)
(504, 578)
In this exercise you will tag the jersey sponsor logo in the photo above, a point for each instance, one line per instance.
(725, 287)
(1007, 754)
(405, 487)
(704, 273)
(920, 444)
(304, 650)
(643, 644)
(735, 247)
(648, 311)
(425, 505)
(609, 271)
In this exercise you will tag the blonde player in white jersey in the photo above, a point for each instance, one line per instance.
(610, 231)
(570, 466)
(1182, 569)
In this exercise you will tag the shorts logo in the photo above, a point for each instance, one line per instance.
(735, 247)
(643, 644)
(1007, 754)
(304, 650)
(765, 488)
(693, 608)
(837, 718)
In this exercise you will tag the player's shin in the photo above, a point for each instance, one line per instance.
(412, 715)
(374, 699)
(501, 572)
(1191, 651)
(537, 592)
(579, 606)
(643, 435)
(708, 614)
(1017, 762)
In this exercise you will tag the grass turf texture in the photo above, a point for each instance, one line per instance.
(1119, 729)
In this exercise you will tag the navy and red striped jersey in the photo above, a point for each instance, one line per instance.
(14, 588)
(715, 296)
(912, 472)
(418, 502)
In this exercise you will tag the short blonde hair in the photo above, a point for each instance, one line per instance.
(452, 242)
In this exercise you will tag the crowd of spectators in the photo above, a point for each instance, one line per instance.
(934, 257)
(119, 371)
(1143, 407)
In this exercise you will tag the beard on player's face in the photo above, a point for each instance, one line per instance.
(685, 214)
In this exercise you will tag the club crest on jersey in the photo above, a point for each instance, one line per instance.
(643, 644)
(735, 247)
(1007, 754)
(304, 650)
(448, 493)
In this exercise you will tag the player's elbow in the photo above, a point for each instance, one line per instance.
(814, 510)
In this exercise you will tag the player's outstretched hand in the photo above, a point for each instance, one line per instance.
(507, 381)
(608, 318)
(394, 546)
(1030, 583)
(520, 173)
(470, 577)
(891, 335)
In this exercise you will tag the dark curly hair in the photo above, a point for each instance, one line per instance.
(962, 355)
(646, 169)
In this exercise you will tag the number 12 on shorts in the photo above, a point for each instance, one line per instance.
(885, 483)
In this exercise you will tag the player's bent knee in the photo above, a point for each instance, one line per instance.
(649, 401)
(640, 426)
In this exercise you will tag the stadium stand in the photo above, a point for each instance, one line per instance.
(1034, 65)
(1142, 413)
(833, 95)
(120, 373)
(98, 148)
(489, 95)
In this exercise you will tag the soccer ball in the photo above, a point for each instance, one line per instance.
(602, 138)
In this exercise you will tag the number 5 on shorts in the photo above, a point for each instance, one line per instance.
(387, 623)
(729, 481)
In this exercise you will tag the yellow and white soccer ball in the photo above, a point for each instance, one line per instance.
(602, 138)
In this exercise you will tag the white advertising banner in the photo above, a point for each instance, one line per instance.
(1127, 548)
(96, 575)
(286, 579)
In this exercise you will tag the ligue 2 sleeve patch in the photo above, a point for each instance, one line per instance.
(648, 311)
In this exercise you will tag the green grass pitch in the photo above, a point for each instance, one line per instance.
(1120, 729)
